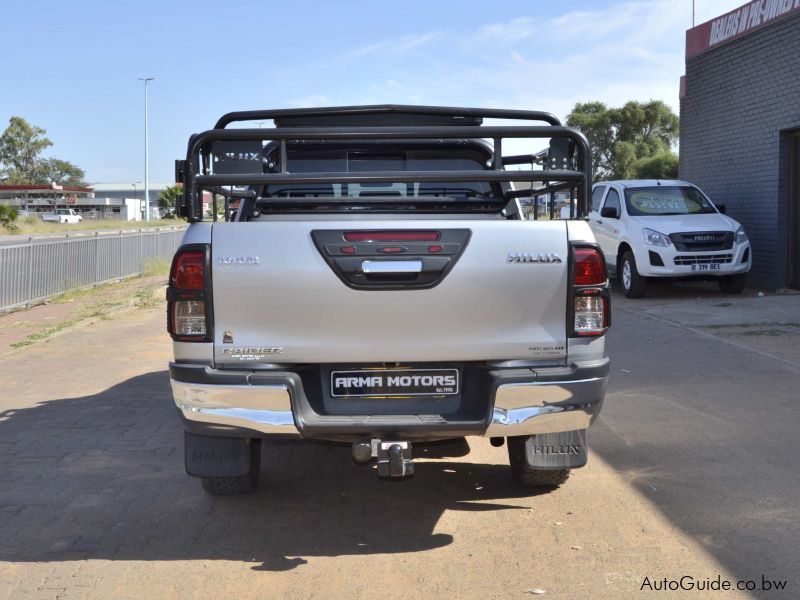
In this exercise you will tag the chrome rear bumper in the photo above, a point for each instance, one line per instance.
(534, 402)
(546, 406)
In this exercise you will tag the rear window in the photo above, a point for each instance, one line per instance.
(666, 200)
(352, 161)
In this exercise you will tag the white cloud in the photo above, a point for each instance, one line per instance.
(396, 46)
(626, 51)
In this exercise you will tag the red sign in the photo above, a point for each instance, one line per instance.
(737, 23)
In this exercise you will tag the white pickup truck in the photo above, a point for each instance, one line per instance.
(63, 215)
(652, 228)
(373, 282)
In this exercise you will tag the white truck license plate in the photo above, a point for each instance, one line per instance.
(705, 267)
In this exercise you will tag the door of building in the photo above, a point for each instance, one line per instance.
(794, 213)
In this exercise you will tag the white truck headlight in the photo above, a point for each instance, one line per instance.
(740, 236)
(654, 238)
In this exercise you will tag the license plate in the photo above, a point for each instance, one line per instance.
(395, 382)
(705, 267)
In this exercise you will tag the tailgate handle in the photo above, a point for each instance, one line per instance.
(391, 266)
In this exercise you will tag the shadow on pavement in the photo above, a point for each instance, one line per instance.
(102, 477)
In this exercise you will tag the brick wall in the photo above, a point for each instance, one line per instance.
(741, 100)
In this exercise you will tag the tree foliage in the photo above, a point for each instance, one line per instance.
(167, 200)
(630, 142)
(663, 165)
(21, 146)
(7, 217)
(60, 171)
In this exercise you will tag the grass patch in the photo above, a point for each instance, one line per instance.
(146, 297)
(143, 296)
(155, 265)
(766, 332)
(44, 333)
(78, 293)
(32, 225)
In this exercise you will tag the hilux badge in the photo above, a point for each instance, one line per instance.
(530, 257)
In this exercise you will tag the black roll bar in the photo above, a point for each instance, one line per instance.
(456, 112)
(196, 174)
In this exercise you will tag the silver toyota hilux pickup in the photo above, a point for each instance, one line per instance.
(367, 275)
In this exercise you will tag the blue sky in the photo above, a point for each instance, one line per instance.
(71, 67)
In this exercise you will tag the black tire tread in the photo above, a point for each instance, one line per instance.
(732, 284)
(544, 478)
(526, 475)
(228, 486)
(638, 283)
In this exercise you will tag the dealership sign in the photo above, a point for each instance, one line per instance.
(736, 23)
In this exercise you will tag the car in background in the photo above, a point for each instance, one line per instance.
(658, 228)
(62, 215)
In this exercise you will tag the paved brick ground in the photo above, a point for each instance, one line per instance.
(94, 503)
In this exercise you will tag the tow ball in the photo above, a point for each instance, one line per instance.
(393, 458)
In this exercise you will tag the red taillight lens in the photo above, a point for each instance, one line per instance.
(590, 267)
(391, 236)
(189, 271)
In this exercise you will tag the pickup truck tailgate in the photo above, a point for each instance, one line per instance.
(286, 291)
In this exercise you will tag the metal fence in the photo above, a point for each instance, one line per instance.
(37, 268)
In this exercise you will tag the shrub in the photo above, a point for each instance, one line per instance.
(7, 217)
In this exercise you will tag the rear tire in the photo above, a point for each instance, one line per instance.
(732, 284)
(527, 476)
(633, 285)
(240, 484)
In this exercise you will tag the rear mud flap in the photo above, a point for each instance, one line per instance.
(565, 450)
(207, 456)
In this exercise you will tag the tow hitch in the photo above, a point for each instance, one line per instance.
(393, 458)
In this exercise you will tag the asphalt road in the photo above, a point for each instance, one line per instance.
(693, 472)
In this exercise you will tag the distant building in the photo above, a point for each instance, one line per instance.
(40, 199)
(132, 190)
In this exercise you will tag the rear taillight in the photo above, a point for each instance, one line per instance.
(189, 317)
(187, 295)
(189, 270)
(591, 309)
(590, 267)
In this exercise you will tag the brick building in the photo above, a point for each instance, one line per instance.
(740, 128)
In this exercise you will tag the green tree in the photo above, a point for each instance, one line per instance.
(167, 200)
(593, 120)
(21, 145)
(60, 171)
(7, 217)
(625, 139)
(663, 165)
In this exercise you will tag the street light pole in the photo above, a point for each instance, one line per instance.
(146, 154)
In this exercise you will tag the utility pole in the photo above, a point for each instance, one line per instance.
(146, 154)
